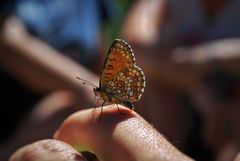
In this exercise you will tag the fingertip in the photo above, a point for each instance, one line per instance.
(126, 135)
(46, 150)
(55, 135)
(112, 113)
(86, 132)
(121, 134)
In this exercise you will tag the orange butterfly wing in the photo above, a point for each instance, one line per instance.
(121, 77)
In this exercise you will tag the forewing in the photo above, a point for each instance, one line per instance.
(119, 57)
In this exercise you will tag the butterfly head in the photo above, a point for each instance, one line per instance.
(96, 90)
(102, 94)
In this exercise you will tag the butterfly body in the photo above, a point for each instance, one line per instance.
(121, 81)
(109, 97)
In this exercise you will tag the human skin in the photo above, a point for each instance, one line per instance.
(116, 136)
(47, 150)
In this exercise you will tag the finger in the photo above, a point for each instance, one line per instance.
(116, 136)
(47, 150)
(237, 158)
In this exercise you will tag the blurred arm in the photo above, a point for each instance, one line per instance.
(37, 65)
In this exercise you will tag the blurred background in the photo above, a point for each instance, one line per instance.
(189, 51)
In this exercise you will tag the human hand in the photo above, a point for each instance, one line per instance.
(116, 137)
(47, 150)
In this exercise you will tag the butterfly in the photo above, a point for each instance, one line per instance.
(121, 81)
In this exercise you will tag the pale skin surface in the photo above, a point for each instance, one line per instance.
(47, 150)
(116, 137)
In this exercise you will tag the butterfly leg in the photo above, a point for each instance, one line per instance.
(94, 100)
(101, 111)
(98, 100)
(119, 109)
(128, 104)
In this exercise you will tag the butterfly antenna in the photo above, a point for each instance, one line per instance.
(86, 82)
